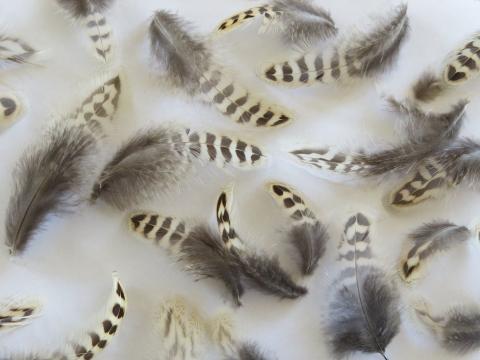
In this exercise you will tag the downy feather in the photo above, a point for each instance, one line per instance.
(363, 309)
(91, 14)
(249, 351)
(186, 61)
(49, 180)
(425, 242)
(308, 235)
(362, 55)
(458, 330)
(14, 51)
(428, 87)
(17, 312)
(300, 22)
(10, 109)
(152, 161)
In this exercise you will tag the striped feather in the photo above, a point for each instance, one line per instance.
(224, 218)
(465, 64)
(358, 57)
(16, 313)
(241, 18)
(329, 159)
(14, 51)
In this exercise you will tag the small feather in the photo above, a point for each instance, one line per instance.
(10, 109)
(49, 180)
(267, 11)
(13, 50)
(428, 240)
(465, 64)
(16, 313)
(428, 87)
(250, 351)
(224, 218)
(222, 333)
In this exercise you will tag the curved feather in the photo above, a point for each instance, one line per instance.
(14, 51)
(358, 57)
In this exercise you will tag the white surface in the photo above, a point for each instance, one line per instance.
(68, 265)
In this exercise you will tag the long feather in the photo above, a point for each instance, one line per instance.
(14, 51)
(91, 14)
(49, 180)
(363, 310)
(17, 312)
(465, 64)
(308, 235)
(182, 331)
(300, 22)
(362, 55)
(187, 62)
(458, 330)
(425, 242)
(10, 109)
(153, 161)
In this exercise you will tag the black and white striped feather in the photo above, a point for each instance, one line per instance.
(360, 56)
(17, 312)
(186, 61)
(14, 51)
(49, 179)
(464, 64)
(363, 311)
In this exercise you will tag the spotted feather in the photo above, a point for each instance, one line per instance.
(17, 312)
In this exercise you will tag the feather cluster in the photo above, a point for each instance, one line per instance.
(362, 55)
(363, 311)
(187, 62)
(300, 22)
(307, 234)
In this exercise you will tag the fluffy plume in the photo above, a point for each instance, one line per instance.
(49, 180)
(363, 311)
(458, 331)
(186, 61)
(13, 50)
(16, 313)
(10, 109)
(153, 161)
(300, 22)
(91, 14)
(427, 87)
(465, 64)
(362, 55)
(425, 242)
(181, 330)
(424, 126)
(308, 235)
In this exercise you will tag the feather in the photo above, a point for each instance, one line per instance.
(465, 64)
(250, 351)
(16, 313)
(152, 161)
(187, 62)
(363, 311)
(91, 14)
(363, 55)
(308, 235)
(181, 330)
(222, 333)
(425, 242)
(458, 331)
(224, 217)
(10, 109)
(99, 108)
(301, 22)
(429, 126)
(13, 50)
(49, 180)
(428, 87)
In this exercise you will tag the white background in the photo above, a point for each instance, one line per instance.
(68, 265)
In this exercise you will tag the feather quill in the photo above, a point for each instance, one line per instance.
(14, 51)
(360, 56)
(308, 235)
(363, 310)
(300, 22)
(187, 62)
(16, 313)
(10, 109)
(91, 14)
(427, 241)
(49, 180)
(458, 331)
(152, 161)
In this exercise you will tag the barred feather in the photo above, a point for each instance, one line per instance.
(13, 50)
(308, 235)
(329, 159)
(358, 57)
(16, 313)
(153, 161)
(465, 64)
(10, 109)
(425, 242)
(187, 62)
(224, 212)
(90, 13)
(49, 180)
(458, 331)
(181, 330)
(363, 309)
(301, 22)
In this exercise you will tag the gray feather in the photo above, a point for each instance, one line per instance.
(249, 351)
(428, 87)
(81, 8)
(182, 56)
(310, 240)
(48, 181)
(13, 50)
(462, 162)
(368, 324)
